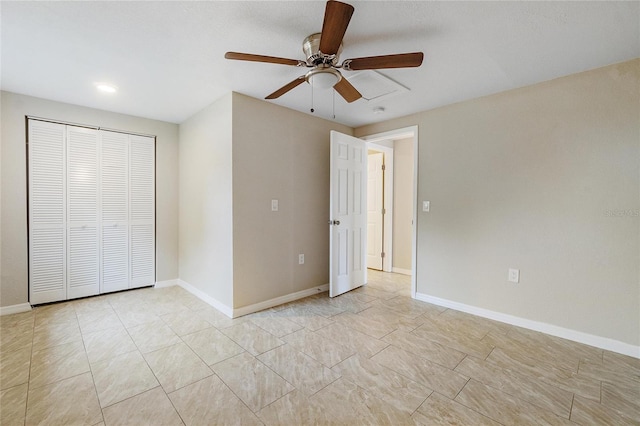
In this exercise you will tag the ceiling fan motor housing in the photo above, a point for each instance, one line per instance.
(311, 49)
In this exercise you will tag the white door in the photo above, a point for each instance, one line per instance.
(47, 212)
(83, 255)
(348, 216)
(114, 205)
(375, 206)
(142, 211)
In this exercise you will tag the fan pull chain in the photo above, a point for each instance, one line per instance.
(312, 110)
(334, 103)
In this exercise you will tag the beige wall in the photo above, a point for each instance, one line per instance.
(14, 281)
(525, 179)
(206, 215)
(402, 202)
(279, 154)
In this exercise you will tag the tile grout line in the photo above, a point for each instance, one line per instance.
(573, 398)
(240, 399)
(26, 403)
(418, 407)
(471, 408)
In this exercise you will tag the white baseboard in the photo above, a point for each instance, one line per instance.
(227, 310)
(249, 309)
(553, 330)
(401, 271)
(166, 283)
(15, 309)
(246, 310)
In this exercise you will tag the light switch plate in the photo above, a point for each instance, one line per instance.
(514, 275)
(274, 205)
(425, 206)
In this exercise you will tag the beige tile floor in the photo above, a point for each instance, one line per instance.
(372, 356)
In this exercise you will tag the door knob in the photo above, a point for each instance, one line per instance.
(334, 222)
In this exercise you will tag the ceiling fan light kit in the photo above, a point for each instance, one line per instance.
(322, 51)
(323, 78)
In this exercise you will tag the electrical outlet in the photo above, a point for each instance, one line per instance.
(301, 259)
(274, 205)
(425, 206)
(514, 275)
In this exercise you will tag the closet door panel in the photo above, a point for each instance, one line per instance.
(83, 266)
(142, 210)
(46, 150)
(83, 262)
(47, 268)
(142, 255)
(114, 205)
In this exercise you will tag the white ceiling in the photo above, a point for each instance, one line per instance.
(167, 58)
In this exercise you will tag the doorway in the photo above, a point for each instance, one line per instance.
(380, 174)
(394, 226)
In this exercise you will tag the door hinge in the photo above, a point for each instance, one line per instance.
(384, 167)
(384, 211)
(382, 255)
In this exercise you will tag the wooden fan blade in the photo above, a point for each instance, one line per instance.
(347, 91)
(284, 89)
(402, 60)
(336, 20)
(261, 58)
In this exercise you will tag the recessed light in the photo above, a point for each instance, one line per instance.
(106, 87)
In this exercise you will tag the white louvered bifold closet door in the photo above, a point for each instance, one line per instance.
(47, 212)
(142, 210)
(83, 252)
(114, 169)
(91, 211)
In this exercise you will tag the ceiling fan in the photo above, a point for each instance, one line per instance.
(323, 51)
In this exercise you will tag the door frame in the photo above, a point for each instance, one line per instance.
(387, 242)
(404, 133)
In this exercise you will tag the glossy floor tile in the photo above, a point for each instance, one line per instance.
(299, 369)
(152, 336)
(212, 346)
(57, 363)
(296, 408)
(372, 356)
(400, 391)
(106, 344)
(211, 402)
(176, 366)
(122, 377)
(152, 407)
(252, 381)
(440, 410)
(69, 401)
(423, 371)
(13, 405)
(252, 338)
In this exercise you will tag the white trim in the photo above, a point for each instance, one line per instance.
(387, 243)
(15, 309)
(228, 311)
(407, 132)
(401, 271)
(166, 283)
(245, 310)
(553, 330)
(249, 309)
